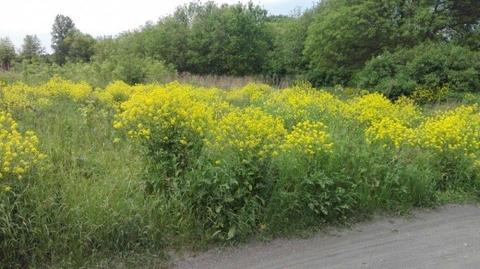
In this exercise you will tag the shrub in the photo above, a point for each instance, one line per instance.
(230, 196)
(430, 65)
(171, 123)
(454, 137)
(19, 159)
(129, 69)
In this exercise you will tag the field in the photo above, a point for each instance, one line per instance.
(92, 175)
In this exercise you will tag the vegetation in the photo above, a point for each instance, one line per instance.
(31, 48)
(153, 166)
(364, 44)
(429, 66)
(7, 53)
(104, 158)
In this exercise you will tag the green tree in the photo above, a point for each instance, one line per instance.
(208, 39)
(289, 34)
(7, 53)
(81, 47)
(169, 40)
(229, 39)
(61, 28)
(31, 48)
(465, 22)
(430, 65)
(347, 33)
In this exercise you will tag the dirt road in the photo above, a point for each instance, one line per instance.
(448, 237)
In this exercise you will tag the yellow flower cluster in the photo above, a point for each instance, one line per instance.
(388, 130)
(308, 137)
(374, 107)
(21, 96)
(457, 130)
(59, 87)
(248, 131)
(18, 152)
(176, 112)
(298, 104)
(166, 110)
(389, 123)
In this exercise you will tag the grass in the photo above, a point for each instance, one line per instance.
(89, 197)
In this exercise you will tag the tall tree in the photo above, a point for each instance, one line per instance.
(347, 33)
(289, 34)
(229, 39)
(7, 53)
(31, 48)
(206, 38)
(465, 22)
(81, 47)
(61, 28)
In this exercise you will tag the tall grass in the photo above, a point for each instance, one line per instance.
(87, 201)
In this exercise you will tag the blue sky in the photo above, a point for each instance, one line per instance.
(102, 17)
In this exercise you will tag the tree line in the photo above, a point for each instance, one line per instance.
(391, 45)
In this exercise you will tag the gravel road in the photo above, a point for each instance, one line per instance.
(447, 237)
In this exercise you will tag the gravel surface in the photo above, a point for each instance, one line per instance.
(448, 237)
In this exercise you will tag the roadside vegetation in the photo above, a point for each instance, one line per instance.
(92, 173)
(221, 123)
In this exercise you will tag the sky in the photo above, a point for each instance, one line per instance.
(102, 17)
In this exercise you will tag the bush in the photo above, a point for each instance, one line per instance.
(427, 66)
(131, 70)
(171, 123)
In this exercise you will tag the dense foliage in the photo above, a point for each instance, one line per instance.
(351, 43)
(7, 53)
(427, 66)
(208, 39)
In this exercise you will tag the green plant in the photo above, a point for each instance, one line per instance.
(431, 66)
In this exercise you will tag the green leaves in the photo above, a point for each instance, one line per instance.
(7, 53)
(426, 66)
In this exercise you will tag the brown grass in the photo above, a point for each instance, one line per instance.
(228, 82)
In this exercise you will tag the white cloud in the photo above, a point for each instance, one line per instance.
(99, 17)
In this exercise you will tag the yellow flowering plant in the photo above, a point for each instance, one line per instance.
(19, 152)
(20, 96)
(299, 104)
(375, 106)
(248, 95)
(248, 133)
(308, 138)
(390, 132)
(115, 93)
(456, 131)
(170, 120)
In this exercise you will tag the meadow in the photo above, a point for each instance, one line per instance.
(92, 175)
